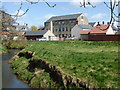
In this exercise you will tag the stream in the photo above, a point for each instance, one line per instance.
(7, 78)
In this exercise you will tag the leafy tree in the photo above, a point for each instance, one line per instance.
(34, 28)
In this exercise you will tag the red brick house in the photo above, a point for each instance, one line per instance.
(101, 33)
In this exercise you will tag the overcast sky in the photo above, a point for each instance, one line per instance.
(40, 12)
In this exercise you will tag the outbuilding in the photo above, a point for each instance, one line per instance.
(35, 35)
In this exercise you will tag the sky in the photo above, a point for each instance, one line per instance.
(40, 12)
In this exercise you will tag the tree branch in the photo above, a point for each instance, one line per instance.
(49, 4)
(29, 1)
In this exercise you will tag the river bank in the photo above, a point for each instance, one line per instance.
(8, 77)
(5, 46)
(68, 64)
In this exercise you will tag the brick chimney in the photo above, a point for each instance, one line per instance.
(112, 24)
(26, 25)
(103, 22)
(98, 24)
(108, 23)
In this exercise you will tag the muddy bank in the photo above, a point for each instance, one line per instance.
(54, 72)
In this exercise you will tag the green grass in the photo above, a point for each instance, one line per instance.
(3, 49)
(93, 62)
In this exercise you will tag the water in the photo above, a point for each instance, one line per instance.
(9, 80)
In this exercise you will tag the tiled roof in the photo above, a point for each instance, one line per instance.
(96, 30)
(64, 17)
(83, 26)
(99, 29)
(85, 32)
(35, 33)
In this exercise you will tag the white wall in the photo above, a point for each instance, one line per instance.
(48, 34)
(110, 31)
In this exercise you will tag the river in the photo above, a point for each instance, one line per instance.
(9, 80)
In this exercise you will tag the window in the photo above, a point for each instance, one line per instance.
(62, 35)
(56, 30)
(62, 29)
(59, 23)
(82, 17)
(59, 29)
(67, 22)
(63, 22)
(82, 22)
(59, 35)
(66, 29)
(70, 29)
(53, 29)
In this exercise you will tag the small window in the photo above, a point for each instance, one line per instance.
(59, 29)
(56, 30)
(59, 23)
(63, 22)
(82, 17)
(53, 29)
(59, 35)
(62, 29)
(66, 29)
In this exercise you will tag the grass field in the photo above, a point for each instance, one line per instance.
(94, 62)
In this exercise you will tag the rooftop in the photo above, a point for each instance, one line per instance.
(83, 26)
(35, 33)
(64, 17)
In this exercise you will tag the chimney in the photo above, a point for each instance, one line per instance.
(26, 24)
(108, 23)
(103, 22)
(98, 24)
(112, 24)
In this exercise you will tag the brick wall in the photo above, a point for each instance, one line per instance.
(33, 37)
(104, 37)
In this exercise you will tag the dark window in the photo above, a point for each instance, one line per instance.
(70, 29)
(82, 17)
(56, 30)
(59, 29)
(62, 35)
(53, 29)
(59, 35)
(62, 29)
(67, 22)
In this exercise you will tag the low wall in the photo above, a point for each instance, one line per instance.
(104, 37)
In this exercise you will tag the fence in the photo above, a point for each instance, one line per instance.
(104, 37)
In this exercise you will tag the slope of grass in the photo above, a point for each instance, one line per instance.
(93, 62)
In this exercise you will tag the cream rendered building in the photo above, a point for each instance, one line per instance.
(61, 26)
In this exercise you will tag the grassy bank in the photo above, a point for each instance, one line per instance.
(3, 49)
(95, 63)
(5, 46)
(15, 44)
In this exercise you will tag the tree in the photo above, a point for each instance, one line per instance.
(112, 5)
(34, 28)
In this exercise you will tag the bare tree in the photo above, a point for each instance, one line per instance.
(112, 5)
(7, 19)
